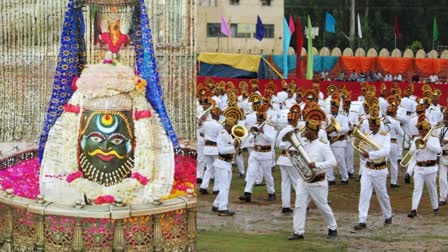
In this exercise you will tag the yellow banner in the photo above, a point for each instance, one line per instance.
(245, 62)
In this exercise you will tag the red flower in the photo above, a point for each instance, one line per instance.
(76, 175)
(74, 87)
(142, 114)
(140, 178)
(105, 199)
(71, 108)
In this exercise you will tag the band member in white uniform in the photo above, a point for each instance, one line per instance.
(434, 112)
(283, 95)
(374, 176)
(211, 132)
(392, 125)
(443, 161)
(223, 167)
(352, 117)
(410, 107)
(290, 176)
(337, 140)
(322, 159)
(261, 156)
(426, 168)
(205, 104)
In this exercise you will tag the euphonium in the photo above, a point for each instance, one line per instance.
(238, 132)
(299, 159)
(362, 143)
(333, 126)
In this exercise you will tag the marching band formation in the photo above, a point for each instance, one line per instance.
(315, 138)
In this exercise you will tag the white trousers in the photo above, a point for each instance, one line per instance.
(430, 181)
(339, 154)
(239, 160)
(290, 176)
(349, 156)
(394, 155)
(252, 168)
(209, 172)
(225, 179)
(368, 183)
(319, 195)
(362, 164)
(443, 183)
(411, 166)
(200, 167)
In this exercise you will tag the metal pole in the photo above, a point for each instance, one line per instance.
(395, 41)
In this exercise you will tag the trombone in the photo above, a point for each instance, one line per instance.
(420, 143)
(198, 118)
(255, 130)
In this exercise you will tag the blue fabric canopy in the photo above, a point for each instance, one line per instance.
(320, 62)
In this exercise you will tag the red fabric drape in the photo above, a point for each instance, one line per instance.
(394, 65)
(357, 64)
(354, 87)
(430, 65)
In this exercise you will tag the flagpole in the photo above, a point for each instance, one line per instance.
(324, 38)
(395, 41)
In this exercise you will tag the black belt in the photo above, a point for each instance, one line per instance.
(262, 148)
(393, 140)
(373, 166)
(409, 113)
(319, 177)
(426, 163)
(210, 143)
(291, 152)
(225, 157)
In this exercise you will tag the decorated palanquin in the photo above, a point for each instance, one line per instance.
(108, 143)
(109, 173)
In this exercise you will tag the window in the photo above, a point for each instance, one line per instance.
(214, 30)
(234, 2)
(268, 31)
(266, 2)
(242, 30)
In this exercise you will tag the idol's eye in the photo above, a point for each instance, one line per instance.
(117, 141)
(96, 139)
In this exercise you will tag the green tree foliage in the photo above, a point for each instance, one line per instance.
(415, 18)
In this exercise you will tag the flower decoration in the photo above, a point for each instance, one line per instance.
(141, 85)
(74, 176)
(104, 199)
(140, 178)
(142, 114)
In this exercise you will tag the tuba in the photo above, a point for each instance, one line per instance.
(363, 143)
(299, 159)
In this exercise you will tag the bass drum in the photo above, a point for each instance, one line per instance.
(282, 119)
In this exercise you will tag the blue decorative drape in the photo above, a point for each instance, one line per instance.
(71, 60)
(147, 68)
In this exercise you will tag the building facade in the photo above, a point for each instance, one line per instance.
(241, 15)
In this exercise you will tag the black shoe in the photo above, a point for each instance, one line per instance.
(442, 203)
(332, 182)
(360, 226)
(212, 180)
(226, 213)
(273, 168)
(359, 177)
(214, 209)
(215, 192)
(246, 197)
(198, 181)
(286, 210)
(296, 237)
(350, 175)
(332, 233)
(435, 211)
(271, 197)
(242, 175)
(388, 221)
(344, 182)
(203, 191)
(412, 213)
(407, 178)
(394, 185)
(260, 184)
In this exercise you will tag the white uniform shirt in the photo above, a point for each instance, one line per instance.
(225, 146)
(434, 114)
(382, 139)
(409, 105)
(282, 96)
(266, 138)
(251, 120)
(211, 132)
(322, 155)
(443, 134)
(383, 103)
(428, 153)
(288, 103)
(412, 126)
(353, 118)
(343, 121)
(395, 129)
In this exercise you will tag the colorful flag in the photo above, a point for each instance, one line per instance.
(291, 25)
(359, 27)
(259, 33)
(309, 57)
(396, 28)
(225, 27)
(299, 45)
(286, 41)
(435, 31)
(330, 23)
